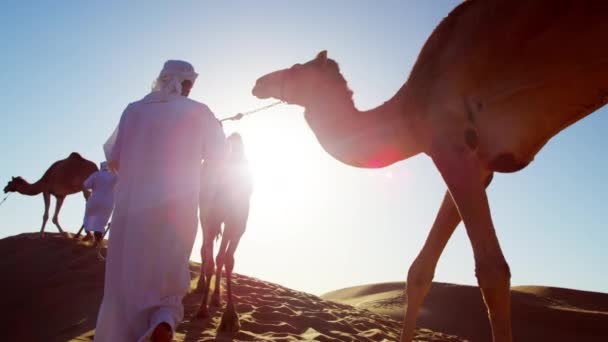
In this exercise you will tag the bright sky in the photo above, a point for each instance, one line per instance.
(315, 225)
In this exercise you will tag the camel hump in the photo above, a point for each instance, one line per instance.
(75, 155)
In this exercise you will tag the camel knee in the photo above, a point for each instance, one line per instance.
(219, 260)
(208, 267)
(419, 277)
(493, 273)
(229, 264)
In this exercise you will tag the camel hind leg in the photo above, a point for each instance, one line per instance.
(230, 318)
(219, 265)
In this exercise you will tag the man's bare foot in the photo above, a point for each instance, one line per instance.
(162, 333)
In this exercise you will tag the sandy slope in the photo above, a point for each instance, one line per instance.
(539, 313)
(52, 289)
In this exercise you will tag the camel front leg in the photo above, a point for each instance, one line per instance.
(86, 194)
(47, 202)
(422, 270)
(58, 204)
(79, 232)
(464, 177)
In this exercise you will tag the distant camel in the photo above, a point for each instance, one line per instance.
(493, 83)
(64, 177)
(230, 206)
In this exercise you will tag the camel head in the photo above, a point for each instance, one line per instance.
(14, 184)
(303, 84)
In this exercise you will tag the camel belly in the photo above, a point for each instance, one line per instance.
(509, 146)
(514, 127)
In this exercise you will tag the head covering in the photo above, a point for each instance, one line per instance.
(103, 165)
(237, 148)
(169, 81)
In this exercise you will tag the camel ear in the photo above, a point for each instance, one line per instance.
(13, 178)
(322, 58)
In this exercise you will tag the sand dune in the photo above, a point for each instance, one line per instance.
(539, 313)
(52, 289)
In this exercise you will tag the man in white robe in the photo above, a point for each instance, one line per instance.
(157, 151)
(101, 202)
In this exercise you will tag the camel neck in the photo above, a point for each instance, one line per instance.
(31, 189)
(369, 139)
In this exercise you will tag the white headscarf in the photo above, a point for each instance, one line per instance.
(169, 81)
(167, 86)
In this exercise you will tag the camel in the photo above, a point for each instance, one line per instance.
(64, 177)
(230, 206)
(493, 83)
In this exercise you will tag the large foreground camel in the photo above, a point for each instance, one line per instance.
(62, 178)
(494, 82)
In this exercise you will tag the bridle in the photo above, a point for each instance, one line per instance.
(286, 74)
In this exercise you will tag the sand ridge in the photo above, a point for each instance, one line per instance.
(539, 313)
(53, 288)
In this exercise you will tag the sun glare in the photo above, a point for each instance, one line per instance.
(285, 162)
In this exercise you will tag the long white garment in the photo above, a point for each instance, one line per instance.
(101, 203)
(158, 147)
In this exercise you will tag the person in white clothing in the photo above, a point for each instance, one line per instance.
(156, 150)
(101, 202)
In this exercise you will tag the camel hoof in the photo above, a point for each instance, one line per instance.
(202, 312)
(230, 321)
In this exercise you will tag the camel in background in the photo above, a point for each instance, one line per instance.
(229, 206)
(62, 178)
(493, 83)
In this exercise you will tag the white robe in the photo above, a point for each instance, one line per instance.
(158, 147)
(101, 203)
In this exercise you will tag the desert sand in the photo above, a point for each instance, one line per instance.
(539, 313)
(52, 288)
